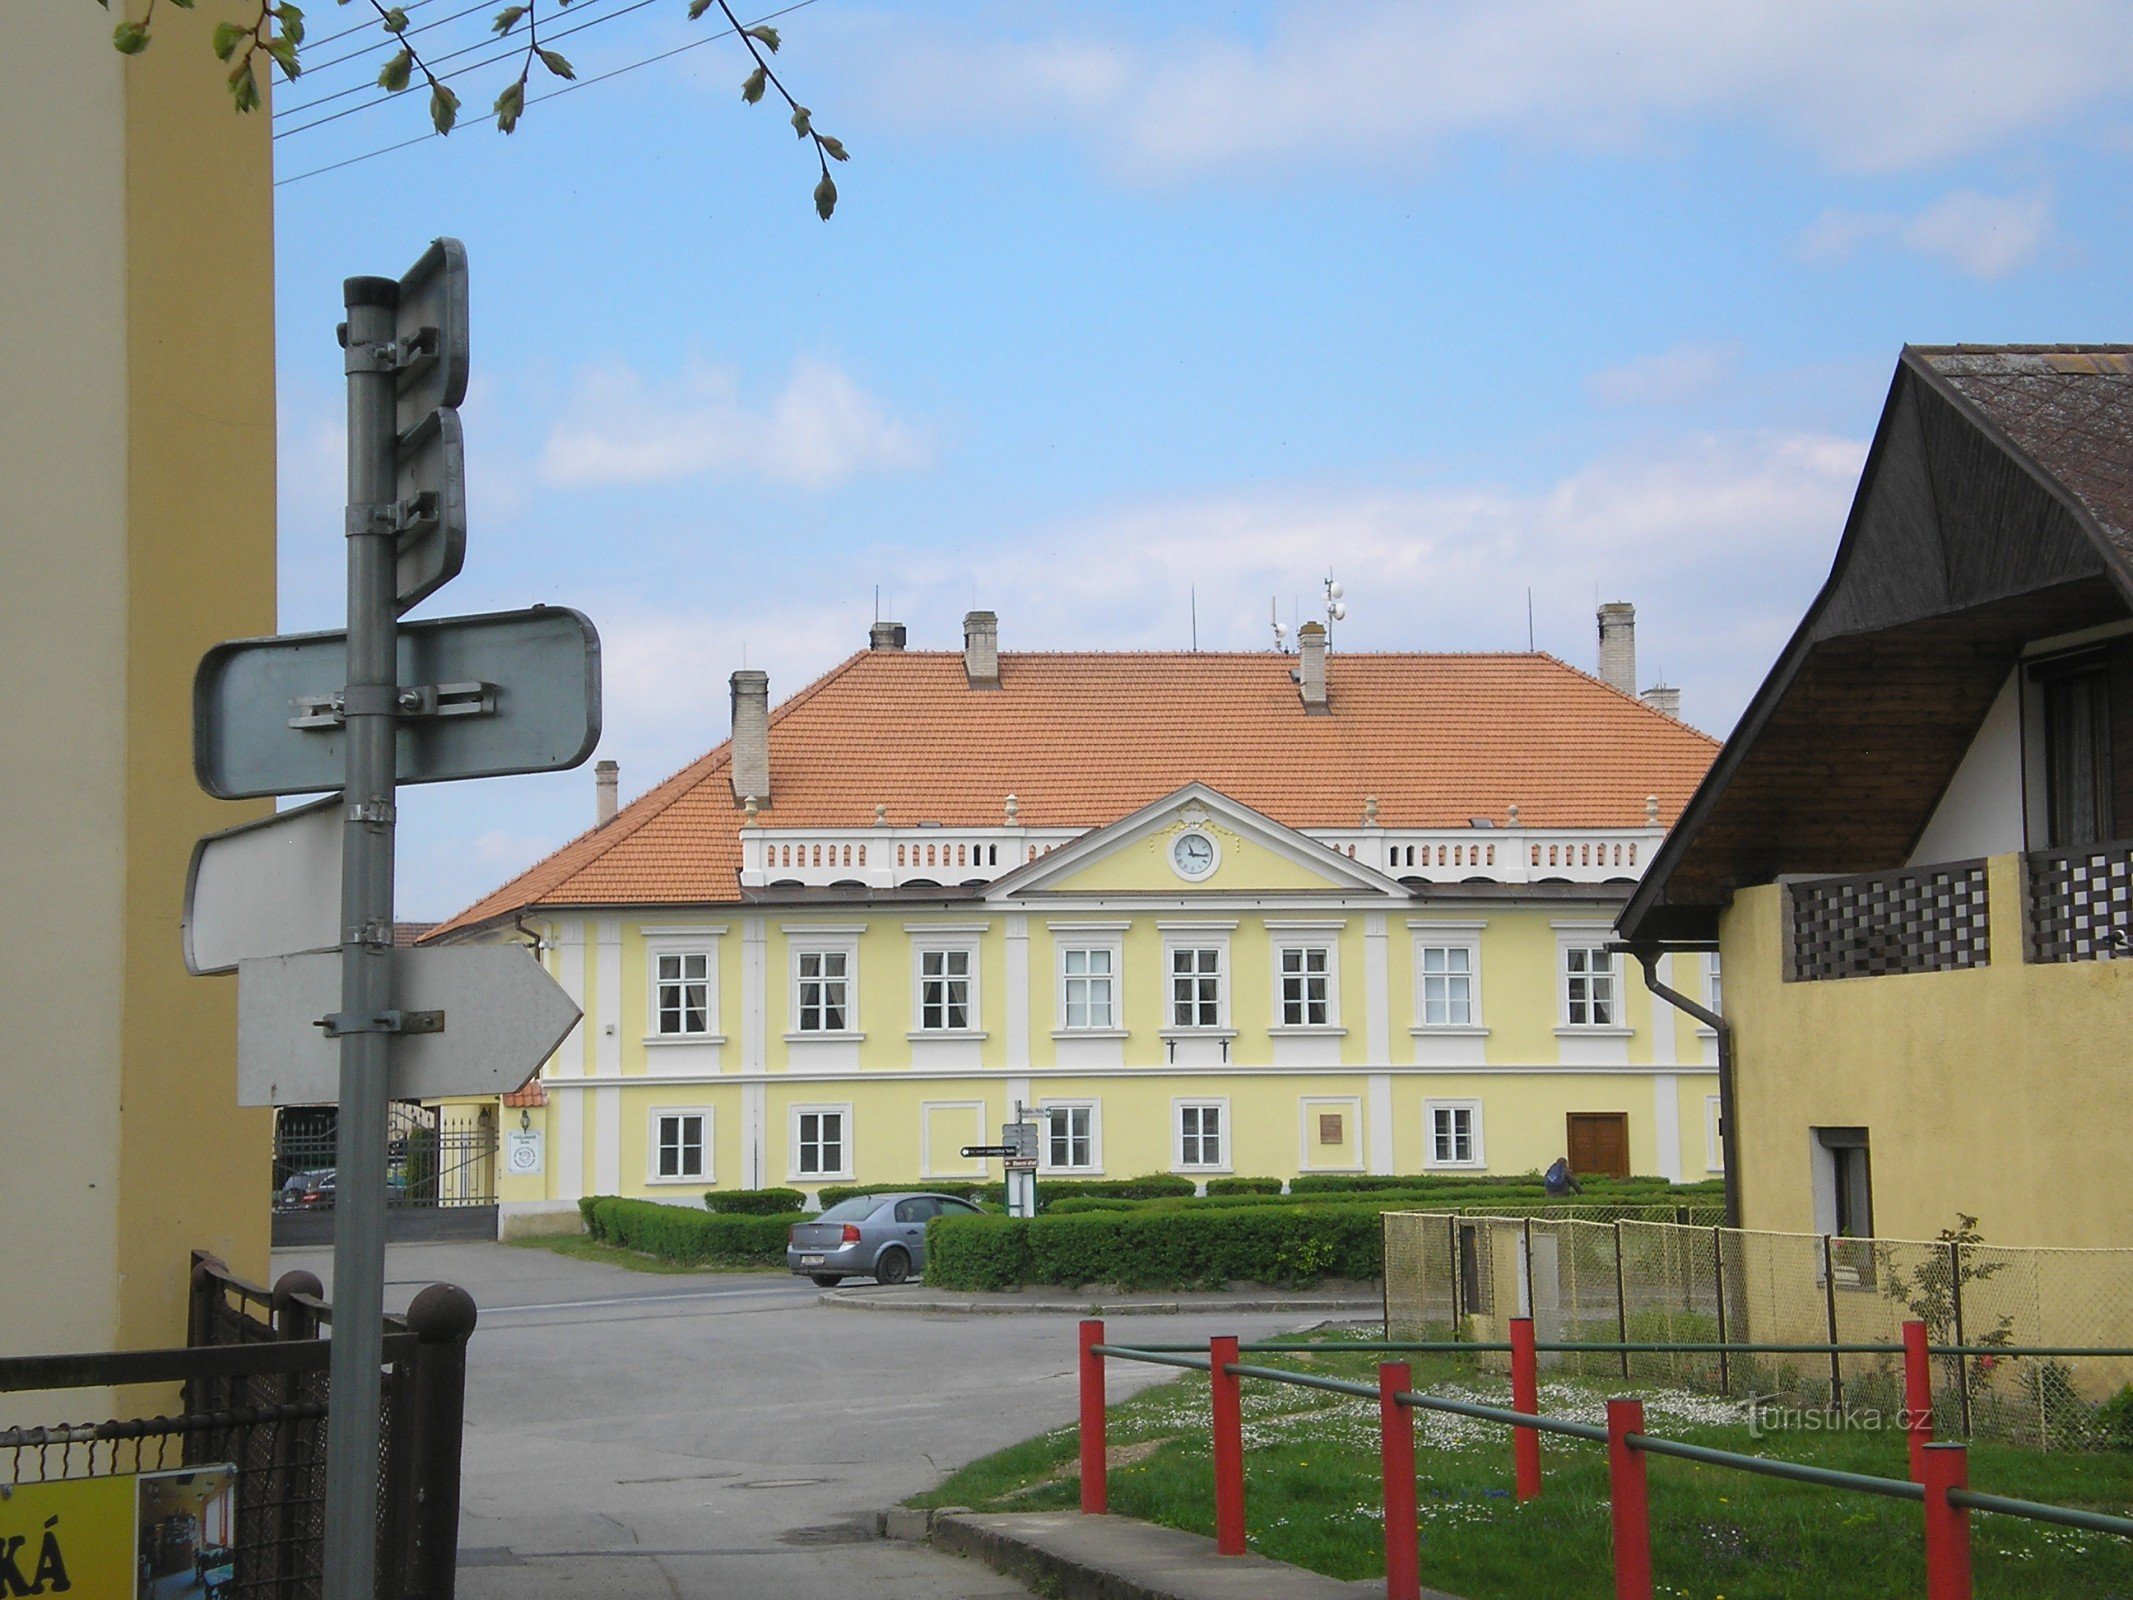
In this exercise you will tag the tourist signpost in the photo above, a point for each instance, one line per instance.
(328, 1009)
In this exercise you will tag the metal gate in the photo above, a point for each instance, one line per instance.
(440, 1180)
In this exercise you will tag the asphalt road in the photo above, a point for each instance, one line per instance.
(680, 1438)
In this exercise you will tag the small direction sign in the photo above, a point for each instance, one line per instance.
(972, 1152)
(481, 696)
(1021, 1164)
(502, 1017)
(1020, 1139)
(431, 544)
(268, 888)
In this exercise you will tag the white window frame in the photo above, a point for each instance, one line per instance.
(653, 1144)
(793, 1117)
(1196, 936)
(1108, 937)
(1448, 936)
(1330, 948)
(1714, 1144)
(663, 942)
(1714, 991)
(1592, 939)
(1225, 1134)
(1477, 1155)
(813, 943)
(1095, 1163)
(934, 945)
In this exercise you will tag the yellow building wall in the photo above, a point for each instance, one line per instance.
(1245, 867)
(2001, 1092)
(138, 458)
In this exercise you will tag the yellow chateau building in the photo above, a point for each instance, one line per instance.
(1262, 914)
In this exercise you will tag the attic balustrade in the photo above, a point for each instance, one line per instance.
(885, 857)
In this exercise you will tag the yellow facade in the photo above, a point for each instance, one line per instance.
(1999, 1091)
(1354, 1092)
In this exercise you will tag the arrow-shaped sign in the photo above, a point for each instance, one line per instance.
(502, 1017)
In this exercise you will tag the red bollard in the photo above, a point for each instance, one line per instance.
(1632, 1510)
(1227, 1396)
(1396, 1433)
(1095, 1492)
(1525, 1396)
(1947, 1527)
(1917, 1397)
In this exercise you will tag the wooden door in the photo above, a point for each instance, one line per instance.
(1599, 1143)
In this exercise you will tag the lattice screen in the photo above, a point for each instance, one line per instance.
(1931, 920)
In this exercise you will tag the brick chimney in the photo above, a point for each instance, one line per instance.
(981, 649)
(1618, 645)
(1311, 668)
(886, 636)
(607, 778)
(751, 735)
(1663, 698)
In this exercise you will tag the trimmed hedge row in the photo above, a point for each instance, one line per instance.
(755, 1202)
(1357, 1183)
(689, 1237)
(1158, 1249)
(1698, 1209)
(1243, 1186)
(1154, 1186)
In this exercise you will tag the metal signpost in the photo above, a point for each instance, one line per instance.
(1017, 1149)
(362, 711)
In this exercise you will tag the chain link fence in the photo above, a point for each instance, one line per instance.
(1449, 1275)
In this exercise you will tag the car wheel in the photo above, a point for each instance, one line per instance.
(892, 1265)
(827, 1280)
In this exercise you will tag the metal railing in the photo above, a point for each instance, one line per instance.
(1939, 1480)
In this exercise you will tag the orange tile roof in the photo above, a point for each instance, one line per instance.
(1084, 738)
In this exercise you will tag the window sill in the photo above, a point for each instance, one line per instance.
(1454, 1166)
(660, 1041)
(815, 1180)
(826, 1036)
(925, 1035)
(1070, 1172)
(1090, 1033)
(1203, 1172)
(1593, 1030)
(1196, 1033)
(669, 1183)
(1449, 1030)
(1308, 1030)
(1706, 1033)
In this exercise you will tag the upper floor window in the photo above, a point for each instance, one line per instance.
(1714, 992)
(1196, 986)
(682, 1001)
(945, 991)
(1306, 986)
(824, 982)
(2077, 746)
(1087, 996)
(1447, 985)
(1589, 987)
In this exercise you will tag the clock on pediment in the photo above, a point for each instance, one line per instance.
(1194, 854)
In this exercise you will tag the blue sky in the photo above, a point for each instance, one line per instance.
(1127, 303)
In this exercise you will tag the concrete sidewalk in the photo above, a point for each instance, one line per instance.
(1342, 1301)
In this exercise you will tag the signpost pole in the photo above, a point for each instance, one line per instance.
(370, 710)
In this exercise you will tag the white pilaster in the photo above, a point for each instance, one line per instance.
(1666, 1122)
(1017, 924)
(570, 1055)
(569, 1165)
(1665, 1049)
(755, 1150)
(607, 994)
(1377, 990)
(1377, 1124)
(607, 1139)
(753, 956)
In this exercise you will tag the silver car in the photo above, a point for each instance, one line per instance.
(878, 1236)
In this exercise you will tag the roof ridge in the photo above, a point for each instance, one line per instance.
(1633, 698)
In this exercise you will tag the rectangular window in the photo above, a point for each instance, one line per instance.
(1454, 1133)
(1447, 986)
(1589, 987)
(2077, 747)
(944, 990)
(1305, 988)
(1845, 1207)
(825, 990)
(818, 1143)
(1196, 987)
(1087, 977)
(1714, 993)
(1200, 1135)
(678, 1144)
(1070, 1138)
(684, 992)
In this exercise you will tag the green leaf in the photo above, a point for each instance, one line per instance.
(183, 5)
(444, 107)
(697, 8)
(834, 148)
(292, 23)
(244, 87)
(752, 86)
(556, 62)
(394, 21)
(129, 38)
(284, 53)
(394, 78)
(507, 19)
(509, 105)
(825, 198)
(800, 123)
(767, 34)
(228, 36)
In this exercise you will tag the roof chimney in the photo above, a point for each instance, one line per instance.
(1311, 667)
(1664, 699)
(981, 649)
(606, 777)
(751, 735)
(1618, 645)
(886, 636)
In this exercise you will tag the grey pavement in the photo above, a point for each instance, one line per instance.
(677, 1438)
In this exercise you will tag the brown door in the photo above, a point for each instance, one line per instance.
(1599, 1143)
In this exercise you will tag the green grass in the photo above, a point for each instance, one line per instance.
(1312, 1496)
(580, 1247)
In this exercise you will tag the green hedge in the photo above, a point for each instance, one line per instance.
(836, 1193)
(1154, 1186)
(1490, 1186)
(689, 1237)
(755, 1202)
(1699, 1211)
(1158, 1248)
(1217, 1186)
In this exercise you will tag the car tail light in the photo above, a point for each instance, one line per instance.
(851, 1233)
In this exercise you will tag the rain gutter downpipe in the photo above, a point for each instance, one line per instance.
(1647, 956)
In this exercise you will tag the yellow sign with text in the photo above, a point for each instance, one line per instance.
(74, 1538)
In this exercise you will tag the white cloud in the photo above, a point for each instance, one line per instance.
(1869, 88)
(1686, 372)
(1986, 236)
(820, 429)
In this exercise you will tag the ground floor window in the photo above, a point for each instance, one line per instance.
(1453, 1131)
(1202, 1130)
(821, 1142)
(1070, 1138)
(680, 1145)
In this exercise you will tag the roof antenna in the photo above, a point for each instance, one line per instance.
(1281, 632)
(1194, 593)
(877, 602)
(1336, 607)
(1529, 619)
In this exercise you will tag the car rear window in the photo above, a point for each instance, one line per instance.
(851, 1210)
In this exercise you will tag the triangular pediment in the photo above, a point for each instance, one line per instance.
(1196, 840)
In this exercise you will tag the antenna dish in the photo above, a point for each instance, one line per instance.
(1334, 591)
(1337, 611)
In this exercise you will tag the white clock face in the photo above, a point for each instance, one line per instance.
(1192, 855)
